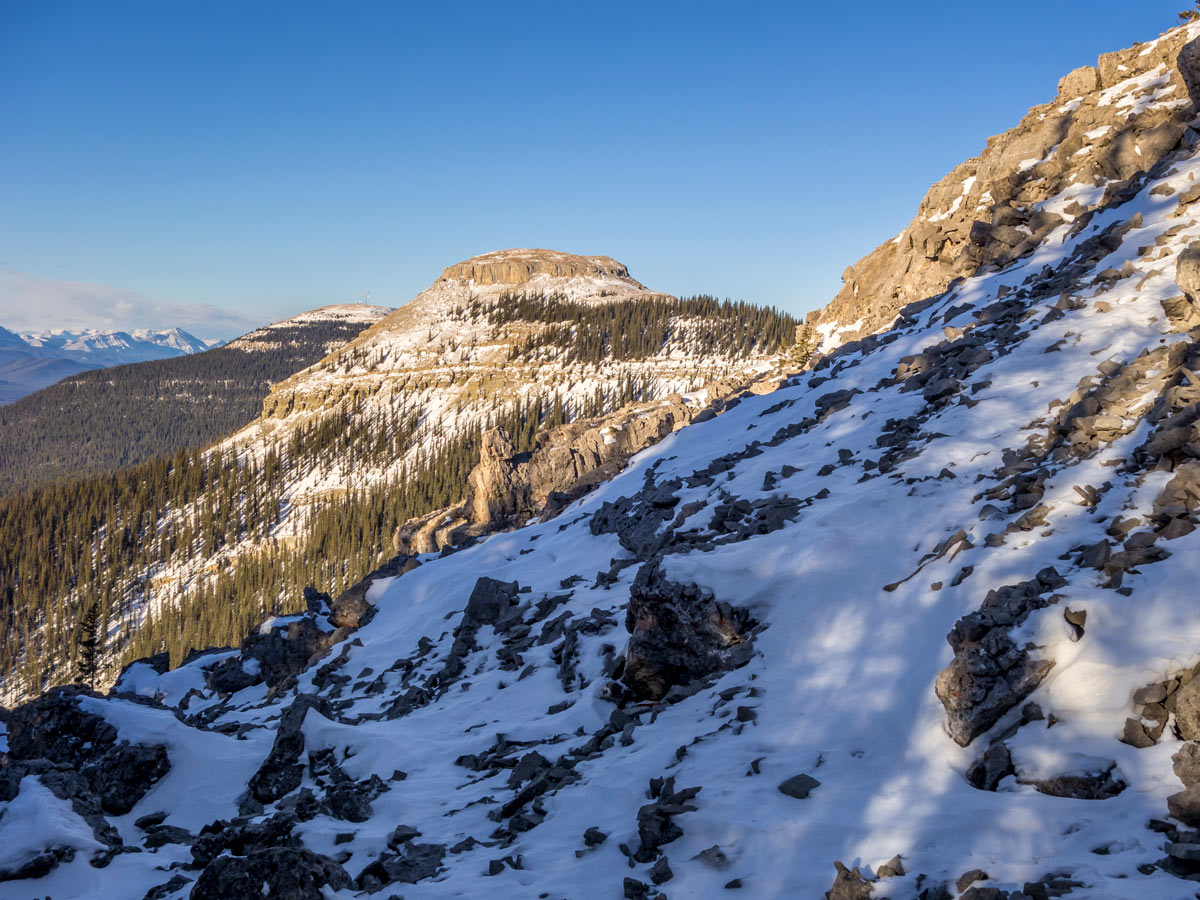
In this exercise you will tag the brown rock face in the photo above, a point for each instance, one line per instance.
(507, 489)
(1107, 125)
(499, 489)
(519, 266)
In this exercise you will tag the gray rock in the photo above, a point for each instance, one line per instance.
(1151, 693)
(656, 825)
(660, 872)
(799, 786)
(1187, 710)
(1187, 271)
(713, 857)
(1089, 786)
(679, 633)
(968, 878)
(1187, 852)
(995, 766)
(53, 727)
(893, 868)
(281, 772)
(1186, 763)
(848, 884)
(1135, 735)
(416, 863)
(281, 873)
(1185, 806)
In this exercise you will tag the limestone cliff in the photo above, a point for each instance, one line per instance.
(506, 489)
(518, 267)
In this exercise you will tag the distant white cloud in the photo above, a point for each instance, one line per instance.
(34, 302)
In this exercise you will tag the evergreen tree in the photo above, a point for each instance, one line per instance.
(89, 641)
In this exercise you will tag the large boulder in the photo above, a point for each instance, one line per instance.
(272, 656)
(55, 728)
(281, 873)
(678, 633)
(352, 609)
(1187, 271)
(1187, 710)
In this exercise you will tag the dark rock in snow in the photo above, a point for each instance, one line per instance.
(415, 863)
(799, 786)
(281, 873)
(282, 770)
(40, 865)
(53, 727)
(679, 633)
(656, 824)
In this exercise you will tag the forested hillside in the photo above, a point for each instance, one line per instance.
(103, 420)
(191, 549)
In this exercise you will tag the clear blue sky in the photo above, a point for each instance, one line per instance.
(239, 162)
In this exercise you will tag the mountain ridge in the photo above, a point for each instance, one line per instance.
(33, 360)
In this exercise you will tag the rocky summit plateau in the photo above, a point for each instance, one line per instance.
(697, 615)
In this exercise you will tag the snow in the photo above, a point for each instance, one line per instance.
(208, 771)
(36, 821)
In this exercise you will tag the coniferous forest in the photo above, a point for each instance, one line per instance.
(103, 420)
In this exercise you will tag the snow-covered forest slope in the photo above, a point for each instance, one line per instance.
(919, 624)
(194, 546)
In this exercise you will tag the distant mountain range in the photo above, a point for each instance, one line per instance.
(34, 360)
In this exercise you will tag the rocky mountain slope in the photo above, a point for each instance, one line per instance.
(101, 421)
(29, 362)
(919, 624)
(1108, 124)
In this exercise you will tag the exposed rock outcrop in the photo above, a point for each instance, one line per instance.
(54, 727)
(679, 633)
(517, 267)
(1099, 129)
(293, 873)
(506, 489)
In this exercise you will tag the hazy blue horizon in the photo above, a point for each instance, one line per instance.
(219, 165)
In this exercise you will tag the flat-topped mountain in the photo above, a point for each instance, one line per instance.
(523, 268)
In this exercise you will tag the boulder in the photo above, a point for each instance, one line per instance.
(1186, 763)
(414, 863)
(281, 873)
(848, 884)
(679, 633)
(1187, 710)
(799, 786)
(1187, 271)
(1078, 82)
(272, 656)
(281, 772)
(1185, 806)
(53, 727)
